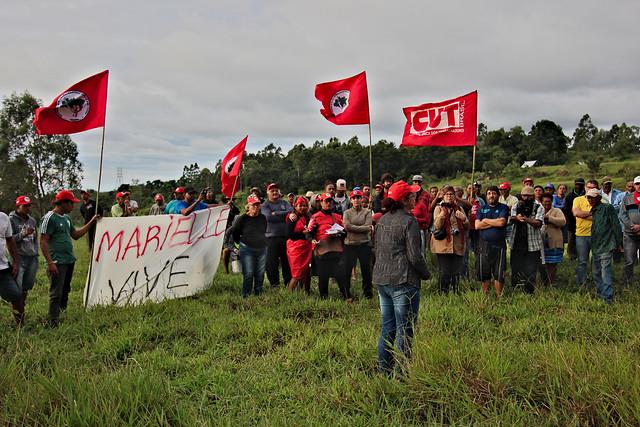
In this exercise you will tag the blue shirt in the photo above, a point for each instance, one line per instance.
(494, 234)
(171, 207)
(182, 204)
(558, 202)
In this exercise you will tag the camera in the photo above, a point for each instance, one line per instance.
(455, 231)
(523, 209)
(204, 191)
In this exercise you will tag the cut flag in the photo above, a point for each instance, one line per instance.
(345, 102)
(79, 108)
(450, 123)
(230, 168)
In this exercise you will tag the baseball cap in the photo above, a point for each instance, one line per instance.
(355, 193)
(505, 186)
(324, 196)
(527, 179)
(66, 195)
(400, 189)
(341, 183)
(290, 194)
(301, 201)
(636, 180)
(578, 181)
(179, 190)
(593, 192)
(120, 194)
(527, 191)
(159, 197)
(417, 178)
(606, 179)
(84, 192)
(309, 194)
(272, 185)
(550, 185)
(23, 200)
(190, 190)
(252, 200)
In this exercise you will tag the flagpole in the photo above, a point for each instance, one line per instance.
(473, 166)
(370, 160)
(86, 296)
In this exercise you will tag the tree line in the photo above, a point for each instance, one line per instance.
(40, 165)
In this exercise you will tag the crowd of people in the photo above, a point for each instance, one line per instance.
(389, 233)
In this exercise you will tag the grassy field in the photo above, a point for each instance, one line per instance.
(560, 357)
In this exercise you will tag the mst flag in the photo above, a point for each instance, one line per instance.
(79, 108)
(450, 123)
(345, 102)
(230, 168)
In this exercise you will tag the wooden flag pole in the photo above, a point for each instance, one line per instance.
(473, 166)
(86, 295)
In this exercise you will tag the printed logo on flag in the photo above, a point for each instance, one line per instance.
(340, 102)
(72, 106)
(438, 119)
(230, 164)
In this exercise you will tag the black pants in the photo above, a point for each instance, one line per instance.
(450, 268)
(277, 254)
(331, 265)
(354, 253)
(571, 245)
(524, 265)
(91, 234)
(59, 288)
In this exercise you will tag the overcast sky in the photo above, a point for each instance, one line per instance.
(189, 79)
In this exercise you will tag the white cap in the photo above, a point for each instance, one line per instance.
(593, 192)
(341, 184)
(636, 180)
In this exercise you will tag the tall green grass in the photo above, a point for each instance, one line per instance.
(560, 357)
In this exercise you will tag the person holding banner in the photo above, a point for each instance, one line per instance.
(56, 232)
(249, 232)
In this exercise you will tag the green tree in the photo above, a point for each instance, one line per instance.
(547, 143)
(584, 137)
(47, 163)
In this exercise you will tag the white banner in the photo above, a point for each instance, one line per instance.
(153, 258)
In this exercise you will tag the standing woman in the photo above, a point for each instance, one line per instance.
(357, 245)
(448, 240)
(298, 248)
(249, 231)
(328, 248)
(397, 273)
(554, 222)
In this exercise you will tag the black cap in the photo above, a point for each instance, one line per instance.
(578, 181)
(190, 190)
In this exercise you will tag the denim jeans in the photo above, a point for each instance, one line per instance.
(603, 275)
(631, 247)
(583, 247)
(253, 262)
(27, 273)
(399, 306)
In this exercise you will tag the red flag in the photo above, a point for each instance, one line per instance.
(230, 168)
(79, 108)
(450, 123)
(345, 102)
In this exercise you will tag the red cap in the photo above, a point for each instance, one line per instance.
(159, 197)
(527, 179)
(179, 190)
(272, 185)
(300, 201)
(400, 189)
(505, 186)
(355, 193)
(324, 196)
(23, 200)
(66, 195)
(251, 200)
(120, 194)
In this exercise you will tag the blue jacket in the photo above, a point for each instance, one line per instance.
(276, 213)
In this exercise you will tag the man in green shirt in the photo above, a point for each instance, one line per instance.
(606, 237)
(56, 232)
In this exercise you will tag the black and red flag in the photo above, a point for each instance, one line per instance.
(230, 168)
(346, 101)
